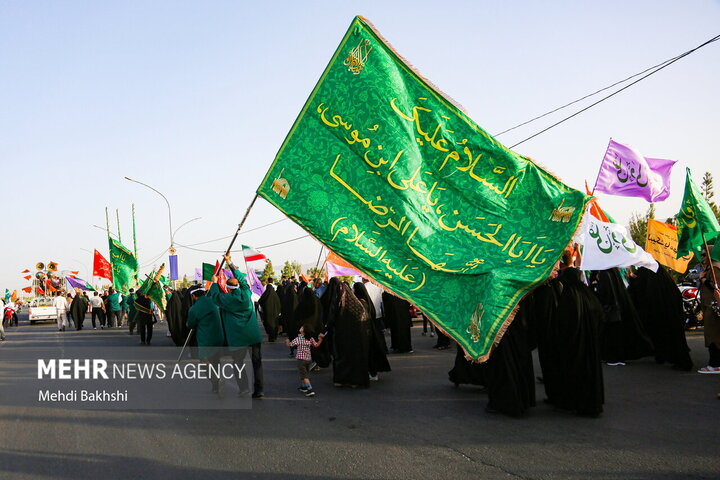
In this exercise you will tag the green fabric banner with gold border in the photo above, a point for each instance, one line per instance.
(396, 179)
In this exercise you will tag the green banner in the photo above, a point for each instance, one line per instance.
(396, 179)
(124, 267)
(694, 219)
(153, 289)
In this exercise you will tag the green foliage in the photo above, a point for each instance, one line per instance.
(287, 270)
(184, 283)
(707, 189)
(269, 272)
(638, 225)
(316, 272)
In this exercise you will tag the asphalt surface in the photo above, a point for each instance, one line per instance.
(658, 423)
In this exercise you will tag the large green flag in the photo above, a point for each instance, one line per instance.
(694, 219)
(124, 267)
(400, 182)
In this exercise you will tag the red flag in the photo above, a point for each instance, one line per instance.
(222, 278)
(40, 291)
(25, 271)
(27, 277)
(27, 289)
(101, 267)
(75, 273)
(595, 209)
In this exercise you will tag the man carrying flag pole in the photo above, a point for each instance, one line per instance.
(696, 224)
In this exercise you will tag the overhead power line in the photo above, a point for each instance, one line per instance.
(652, 70)
(240, 250)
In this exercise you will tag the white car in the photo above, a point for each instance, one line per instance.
(41, 309)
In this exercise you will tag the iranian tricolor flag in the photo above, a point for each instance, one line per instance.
(251, 254)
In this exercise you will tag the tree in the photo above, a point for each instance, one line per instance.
(287, 270)
(707, 189)
(184, 283)
(638, 225)
(315, 272)
(268, 272)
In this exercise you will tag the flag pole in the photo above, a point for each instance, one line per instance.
(232, 242)
(220, 265)
(117, 215)
(134, 238)
(600, 169)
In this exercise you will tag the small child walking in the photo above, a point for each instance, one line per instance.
(303, 342)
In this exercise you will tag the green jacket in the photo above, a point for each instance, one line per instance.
(238, 314)
(114, 302)
(204, 317)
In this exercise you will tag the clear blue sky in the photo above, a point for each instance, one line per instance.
(194, 98)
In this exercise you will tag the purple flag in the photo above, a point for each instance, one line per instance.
(173, 267)
(228, 273)
(334, 270)
(198, 275)
(78, 283)
(625, 172)
(255, 284)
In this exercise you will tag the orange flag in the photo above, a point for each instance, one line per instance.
(662, 244)
(27, 277)
(27, 289)
(595, 209)
(40, 291)
(14, 296)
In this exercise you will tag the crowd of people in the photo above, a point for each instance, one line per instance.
(575, 320)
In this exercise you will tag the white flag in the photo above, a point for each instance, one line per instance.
(607, 245)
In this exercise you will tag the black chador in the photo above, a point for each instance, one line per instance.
(622, 335)
(397, 317)
(377, 348)
(572, 369)
(270, 304)
(660, 306)
(509, 374)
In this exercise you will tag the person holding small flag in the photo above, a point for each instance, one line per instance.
(240, 324)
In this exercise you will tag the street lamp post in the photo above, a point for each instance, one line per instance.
(172, 242)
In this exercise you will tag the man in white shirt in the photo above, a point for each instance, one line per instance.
(61, 305)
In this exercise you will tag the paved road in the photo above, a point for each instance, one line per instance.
(413, 424)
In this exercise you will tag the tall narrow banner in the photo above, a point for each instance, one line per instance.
(662, 243)
(626, 172)
(607, 245)
(396, 179)
(695, 219)
(124, 267)
(173, 267)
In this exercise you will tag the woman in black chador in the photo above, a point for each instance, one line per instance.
(289, 303)
(509, 374)
(397, 317)
(572, 370)
(622, 336)
(377, 348)
(660, 305)
(347, 323)
(270, 304)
